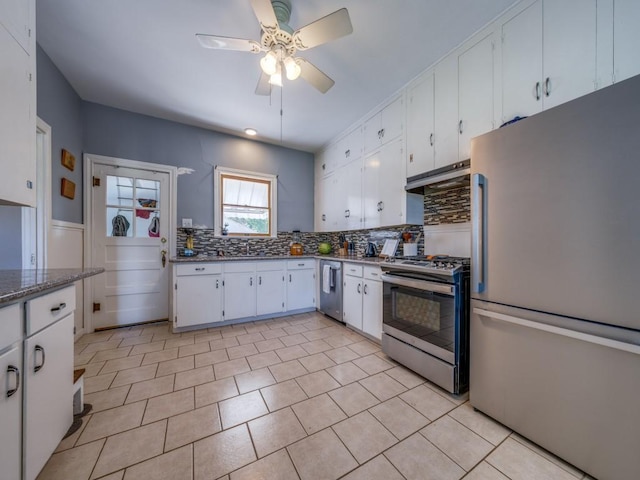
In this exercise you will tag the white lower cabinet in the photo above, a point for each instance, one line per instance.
(270, 292)
(301, 285)
(239, 290)
(198, 295)
(48, 377)
(11, 374)
(362, 298)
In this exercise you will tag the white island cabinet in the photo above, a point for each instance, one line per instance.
(48, 376)
(11, 373)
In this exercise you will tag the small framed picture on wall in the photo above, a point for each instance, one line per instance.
(68, 160)
(68, 189)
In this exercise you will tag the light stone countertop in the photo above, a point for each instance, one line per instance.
(251, 258)
(18, 284)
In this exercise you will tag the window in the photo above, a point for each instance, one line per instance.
(245, 203)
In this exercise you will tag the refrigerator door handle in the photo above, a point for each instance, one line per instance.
(478, 232)
(585, 337)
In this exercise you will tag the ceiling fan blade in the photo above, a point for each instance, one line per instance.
(228, 43)
(263, 87)
(314, 76)
(331, 27)
(265, 14)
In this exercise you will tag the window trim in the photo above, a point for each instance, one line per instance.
(272, 181)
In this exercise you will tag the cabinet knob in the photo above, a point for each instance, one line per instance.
(365, 288)
(411, 158)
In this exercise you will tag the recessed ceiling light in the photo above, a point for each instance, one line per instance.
(251, 131)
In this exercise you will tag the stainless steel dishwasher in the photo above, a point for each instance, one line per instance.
(331, 288)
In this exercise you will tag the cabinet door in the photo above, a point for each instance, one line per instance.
(16, 17)
(351, 184)
(372, 132)
(48, 405)
(371, 190)
(239, 295)
(475, 68)
(350, 147)
(198, 300)
(446, 112)
(11, 412)
(17, 123)
(301, 289)
(626, 38)
(569, 54)
(270, 292)
(420, 133)
(392, 121)
(318, 204)
(522, 63)
(392, 179)
(372, 308)
(328, 207)
(352, 301)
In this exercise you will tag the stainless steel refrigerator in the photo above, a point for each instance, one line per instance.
(555, 317)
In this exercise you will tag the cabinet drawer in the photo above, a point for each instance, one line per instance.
(198, 269)
(300, 264)
(372, 273)
(269, 266)
(47, 309)
(10, 325)
(239, 267)
(353, 269)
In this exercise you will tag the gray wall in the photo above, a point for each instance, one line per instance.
(61, 107)
(117, 133)
(10, 237)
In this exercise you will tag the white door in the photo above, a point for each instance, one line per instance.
(130, 227)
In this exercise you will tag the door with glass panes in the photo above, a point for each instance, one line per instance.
(130, 210)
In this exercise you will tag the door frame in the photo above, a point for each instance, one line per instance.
(90, 160)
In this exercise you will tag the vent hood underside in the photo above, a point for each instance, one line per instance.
(452, 176)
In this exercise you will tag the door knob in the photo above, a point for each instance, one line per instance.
(164, 258)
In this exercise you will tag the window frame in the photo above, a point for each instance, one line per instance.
(244, 175)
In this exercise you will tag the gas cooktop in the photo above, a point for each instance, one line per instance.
(436, 264)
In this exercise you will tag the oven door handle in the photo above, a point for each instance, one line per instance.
(418, 284)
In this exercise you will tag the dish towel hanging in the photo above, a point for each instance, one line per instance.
(154, 227)
(120, 226)
(326, 279)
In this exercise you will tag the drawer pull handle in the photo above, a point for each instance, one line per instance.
(301, 264)
(60, 307)
(16, 370)
(36, 367)
(200, 269)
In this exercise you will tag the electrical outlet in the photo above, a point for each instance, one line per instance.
(187, 223)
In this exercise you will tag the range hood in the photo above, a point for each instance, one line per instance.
(455, 175)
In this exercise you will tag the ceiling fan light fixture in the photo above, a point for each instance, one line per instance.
(276, 78)
(292, 68)
(252, 132)
(269, 63)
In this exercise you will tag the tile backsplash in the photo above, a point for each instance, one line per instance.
(449, 206)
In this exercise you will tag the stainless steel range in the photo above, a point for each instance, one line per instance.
(425, 320)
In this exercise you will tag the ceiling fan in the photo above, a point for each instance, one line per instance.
(281, 42)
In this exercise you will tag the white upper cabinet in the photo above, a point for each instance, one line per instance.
(475, 95)
(348, 196)
(16, 17)
(420, 127)
(384, 126)
(18, 100)
(349, 148)
(626, 39)
(548, 56)
(569, 54)
(446, 112)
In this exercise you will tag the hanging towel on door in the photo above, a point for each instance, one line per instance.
(120, 226)
(326, 279)
(154, 228)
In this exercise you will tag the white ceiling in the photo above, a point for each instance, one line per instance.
(143, 56)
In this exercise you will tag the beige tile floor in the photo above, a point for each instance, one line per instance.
(299, 397)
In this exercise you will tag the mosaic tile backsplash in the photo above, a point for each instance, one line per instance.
(449, 206)
(205, 242)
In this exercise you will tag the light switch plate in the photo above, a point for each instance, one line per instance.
(187, 223)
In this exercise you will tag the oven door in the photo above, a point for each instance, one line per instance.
(421, 313)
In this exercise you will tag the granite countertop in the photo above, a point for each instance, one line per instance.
(16, 284)
(250, 258)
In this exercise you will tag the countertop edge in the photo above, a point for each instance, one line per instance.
(212, 259)
(43, 280)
